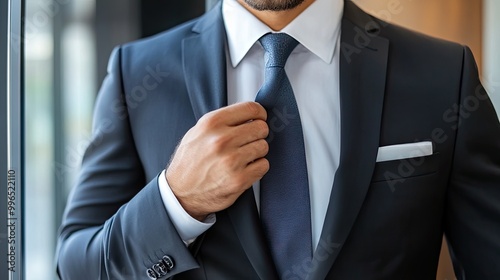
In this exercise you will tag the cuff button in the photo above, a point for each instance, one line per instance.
(161, 268)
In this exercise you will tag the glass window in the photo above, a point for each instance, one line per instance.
(67, 44)
(39, 141)
(60, 88)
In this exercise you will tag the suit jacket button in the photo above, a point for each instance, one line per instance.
(152, 274)
(160, 269)
(163, 266)
(168, 262)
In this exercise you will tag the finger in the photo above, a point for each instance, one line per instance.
(249, 132)
(253, 151)
(240, 113)
(257, 169)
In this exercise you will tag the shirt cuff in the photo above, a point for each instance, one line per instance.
(188, 227)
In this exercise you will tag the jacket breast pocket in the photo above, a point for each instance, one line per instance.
(402, 169)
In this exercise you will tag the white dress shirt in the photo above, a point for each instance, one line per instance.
(313, 71)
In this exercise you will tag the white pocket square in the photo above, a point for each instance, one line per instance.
(404, 151)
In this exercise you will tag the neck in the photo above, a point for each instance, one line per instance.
(277, 20)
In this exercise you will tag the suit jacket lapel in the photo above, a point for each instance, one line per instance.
(204, 61)
(363, 63)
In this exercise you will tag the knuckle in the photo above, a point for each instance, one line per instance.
(210, 120)
(263, 146)
(263, 167)
(264, 112)
(262, 127)
(230, 162)
(240, 181)
(205, 117)
(219, 143)
(253, 108)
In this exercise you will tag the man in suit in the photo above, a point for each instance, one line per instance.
(400, 139)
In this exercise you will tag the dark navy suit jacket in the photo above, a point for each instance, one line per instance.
(384, 221)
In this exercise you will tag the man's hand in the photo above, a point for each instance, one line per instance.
(219, 158)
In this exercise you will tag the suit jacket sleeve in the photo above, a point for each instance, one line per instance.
(115, 225)
(473, 209)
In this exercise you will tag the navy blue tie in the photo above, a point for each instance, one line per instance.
(284, 193)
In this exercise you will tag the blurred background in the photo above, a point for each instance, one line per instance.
(66, 53)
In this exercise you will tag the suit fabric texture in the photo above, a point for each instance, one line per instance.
(385, 220)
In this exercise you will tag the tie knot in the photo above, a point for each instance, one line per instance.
(278, 47)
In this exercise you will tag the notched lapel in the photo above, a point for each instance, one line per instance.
(363, 65)
(204, 62)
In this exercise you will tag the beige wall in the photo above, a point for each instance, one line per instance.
(456, 20)
(471, 22)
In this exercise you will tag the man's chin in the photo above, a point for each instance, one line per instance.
(273, 5)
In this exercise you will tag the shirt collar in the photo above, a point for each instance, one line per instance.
(317, 28)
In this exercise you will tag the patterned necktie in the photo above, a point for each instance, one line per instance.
(284, 194)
